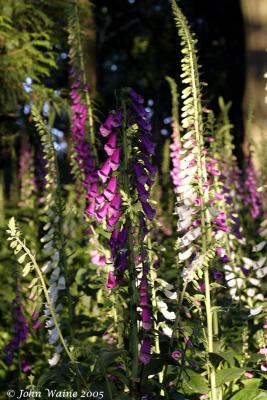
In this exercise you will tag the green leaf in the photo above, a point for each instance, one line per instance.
(228, 375)
(26, 269)
(13, 244)
(250, 394)
(21, 259)
(195, 382)
(229, 356)
(108, 357)
(12, 225)
(154, 367)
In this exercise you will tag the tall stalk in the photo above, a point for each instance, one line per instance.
(132, 272)
(192, 119)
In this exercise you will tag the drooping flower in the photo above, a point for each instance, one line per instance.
(177, 354)
(145, 351)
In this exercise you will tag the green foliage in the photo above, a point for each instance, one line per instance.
(26, 50)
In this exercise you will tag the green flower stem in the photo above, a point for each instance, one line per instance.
(110, 395)
(210, 333)
(50, 305)
(132, 272)
(153, 276)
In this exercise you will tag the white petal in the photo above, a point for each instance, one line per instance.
(167, 331)
(256, 311)
(61, 285)
(185, 255)
(170, 295)
(259, 246)
(54, 360)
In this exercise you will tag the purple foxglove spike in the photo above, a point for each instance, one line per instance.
(111, 281)
(148, 210)
(100, 214)
(140, 173)
(146, 318)
(116, 203)
(115, 160)
(151, 168)
(114, 238)
(122, 236)
(110, 146)
(103, 173)
(143, 194)
(145, 355)
(147, 145)
(144, 124)
(136, 97)
(139, 109)
(122, 263)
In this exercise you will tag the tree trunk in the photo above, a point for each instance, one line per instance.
(255, 19)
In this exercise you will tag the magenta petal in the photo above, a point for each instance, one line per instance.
(115, 160)
(35, 315)
(111, 282)
(110, 146)
(25, 366)
(146, 318)
(104, 171)
(100, 199)
(100, 214)
(91, 209)
(116, 202)
(36, 324)
(114, 219)
(110, 190)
